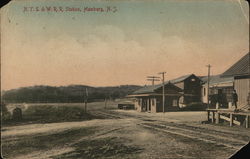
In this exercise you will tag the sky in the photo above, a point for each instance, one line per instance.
(122, 45)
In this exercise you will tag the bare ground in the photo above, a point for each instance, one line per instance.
(125, 134)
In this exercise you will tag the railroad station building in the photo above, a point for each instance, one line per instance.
(237, 77)
(149, 98)
(240, 72)
(178, 93)
(190, 88)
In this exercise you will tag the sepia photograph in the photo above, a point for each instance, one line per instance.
(125, 79)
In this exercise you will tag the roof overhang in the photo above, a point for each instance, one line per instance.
(152, 95)
(225, 84)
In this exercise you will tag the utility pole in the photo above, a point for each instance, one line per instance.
(86, 100)
(153, 79)
(105, 106)
(163, 91)
(208, 81)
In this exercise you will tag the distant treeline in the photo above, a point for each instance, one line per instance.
(65, 94)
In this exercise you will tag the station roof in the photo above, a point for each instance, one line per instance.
(217, 79)
(240, 68)
(180, 79)
(152, 89)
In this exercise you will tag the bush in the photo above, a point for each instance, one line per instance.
(54, 113)
(195, 106)
(5, 114)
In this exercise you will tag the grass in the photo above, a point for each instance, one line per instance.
(91, 106)
(55, 112)
(49, 114)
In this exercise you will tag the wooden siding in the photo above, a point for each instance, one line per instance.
(242, 89)
(137, 104)
(204, 93)
(192, 89)
(153, 105)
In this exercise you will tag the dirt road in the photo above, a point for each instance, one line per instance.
(126, 134)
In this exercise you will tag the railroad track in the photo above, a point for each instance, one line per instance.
(219, 138)
(191, 127)
(105, 115)
(200, 136)
(218, 133)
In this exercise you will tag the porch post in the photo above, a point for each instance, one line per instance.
(148, 104)
(213, 114)
(231, 119)
(208, 114)
(218, 118)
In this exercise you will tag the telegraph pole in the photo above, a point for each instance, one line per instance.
(153, 79)
(208, 81)
(163, 91)
(86, 100)
(105, 103)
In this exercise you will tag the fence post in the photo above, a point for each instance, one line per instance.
(213, 117)
(218, 118)
(231, 119)
(208, 114)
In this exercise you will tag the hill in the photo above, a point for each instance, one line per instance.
(64, 94)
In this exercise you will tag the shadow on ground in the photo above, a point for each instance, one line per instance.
(100, 148)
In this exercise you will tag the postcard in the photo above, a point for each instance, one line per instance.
(125, 79)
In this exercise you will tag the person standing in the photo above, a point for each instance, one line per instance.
(235, 99)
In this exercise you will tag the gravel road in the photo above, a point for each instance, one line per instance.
(168, 135)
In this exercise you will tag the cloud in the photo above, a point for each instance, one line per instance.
(102, 55)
